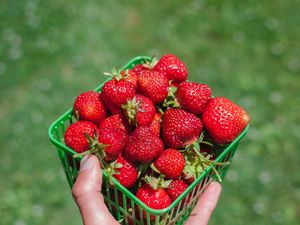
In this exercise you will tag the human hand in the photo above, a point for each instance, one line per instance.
(86, 192)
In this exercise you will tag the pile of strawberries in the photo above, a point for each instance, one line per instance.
(154, 131)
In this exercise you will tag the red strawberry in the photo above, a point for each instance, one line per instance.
(180, 128)
(139, 68)
(116, 93)
(148, 65)
(224, 120)
(124, 171)
(130, 76)
(116, 121)
(156, 124)
(176, 188)
(89, 106)
(112, 142)
(170, 163)
(140, 110)
(75, 135)
(143, 146)
(153, 85)
(193, 97)
(172, 67)
(153, 194)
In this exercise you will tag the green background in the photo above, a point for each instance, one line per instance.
(248, 51)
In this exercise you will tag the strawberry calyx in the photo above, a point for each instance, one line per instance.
(131, 109)
(171, 100)
(110, 170)
(94, 148)
(196, 162)
(117, 74)
(157, 183)
(150, 64)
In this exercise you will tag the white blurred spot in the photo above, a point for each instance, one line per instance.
(275, 97)
(15, 53)
(37, 117)
(277, 217)
(271, 23)
(18, 128)
(45, 84)
(264, 177)
(232, 175)
(33, 21)
(2, 68)
(19, 222)
(42, 42)
(259, 208)
(277, 48)
(254, 134)
(294, 65)
(37, 210)
(238, 37)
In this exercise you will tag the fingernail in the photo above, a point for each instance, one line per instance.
(212, 188)
(87, 162)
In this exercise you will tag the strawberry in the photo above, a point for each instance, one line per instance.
(170, 163)
(176, 188)
(111, 142)
(153, 85)
(89, 106)
(140, 110)
(193, 97)
(153, 194)
(124, 171)
(148, 65)
(116, 121)
(143, 146)
(172, 67)
(224, 120)
(180, 128)
(130, 76)
(75, 135)
(156, 124)
(116, 93)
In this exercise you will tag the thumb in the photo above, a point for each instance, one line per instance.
(207, 203)
(87, 195)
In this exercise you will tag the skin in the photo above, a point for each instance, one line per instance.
(86, 193)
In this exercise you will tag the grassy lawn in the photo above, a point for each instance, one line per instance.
(249, 51)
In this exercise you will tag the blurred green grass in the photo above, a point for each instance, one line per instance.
(249, 51)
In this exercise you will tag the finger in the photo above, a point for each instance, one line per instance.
(86, 192)
(207, 203)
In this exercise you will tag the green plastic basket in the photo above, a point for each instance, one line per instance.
(125, 207)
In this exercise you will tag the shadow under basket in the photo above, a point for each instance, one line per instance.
(125, 207)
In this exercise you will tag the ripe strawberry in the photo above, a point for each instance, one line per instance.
(124, 171)
(130, 76)
(153, 85)
(139, 111)
(143, 146)
(153, 194)
(116, 93)
(193, 97)
(89, 106)
(75, 135)
(172, 67)
(148, 65)
(224, 120)
(176, 188)
(111, 142)
(180, 128)
(116, 121)
(170, 163)
(156, 124)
